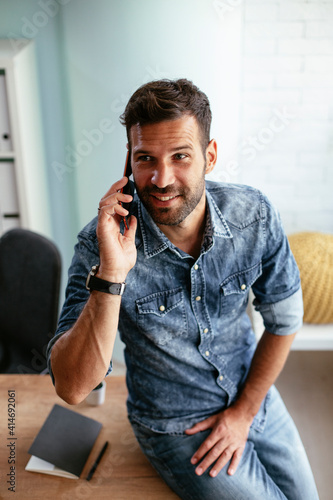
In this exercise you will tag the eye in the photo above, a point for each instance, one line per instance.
(180, 156)
(144, 158)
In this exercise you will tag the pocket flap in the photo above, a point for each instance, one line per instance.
(242, 281)
(160, 303)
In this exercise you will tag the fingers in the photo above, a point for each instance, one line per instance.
(112, 209)
(224, 444)
(236, 458)
(201, 426)
(219, 455)
(208, 444)
(227, 454)
(110, 204)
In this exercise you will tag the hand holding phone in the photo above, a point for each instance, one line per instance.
(128, 189)
(117, 248)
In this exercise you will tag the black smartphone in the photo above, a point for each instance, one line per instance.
(128, 189)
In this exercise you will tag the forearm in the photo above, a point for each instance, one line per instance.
(80, 358)
(268, 361)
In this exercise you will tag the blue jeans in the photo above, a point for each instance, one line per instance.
(274, 464)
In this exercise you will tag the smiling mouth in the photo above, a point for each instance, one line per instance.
(164, 198)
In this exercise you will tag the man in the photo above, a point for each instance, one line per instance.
(201, 397)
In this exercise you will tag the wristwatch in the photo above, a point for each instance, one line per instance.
(94, 283)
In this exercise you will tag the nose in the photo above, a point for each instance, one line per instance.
(163, 175)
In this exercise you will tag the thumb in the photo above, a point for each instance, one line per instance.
(208, 423)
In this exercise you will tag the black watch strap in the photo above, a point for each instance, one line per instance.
(94, 283)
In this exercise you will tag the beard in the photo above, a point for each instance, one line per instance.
(169, 216)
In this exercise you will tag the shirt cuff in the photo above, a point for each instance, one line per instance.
(284, 317)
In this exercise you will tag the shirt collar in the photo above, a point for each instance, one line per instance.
(216, 223)
(155, 241)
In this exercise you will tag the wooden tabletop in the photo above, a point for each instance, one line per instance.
(123, 473)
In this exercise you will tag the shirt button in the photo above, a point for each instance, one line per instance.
(207, 353)
(198, 298)
(162, 308)
(205, 330)
(221, 377)
(196, 267)
(243, 287)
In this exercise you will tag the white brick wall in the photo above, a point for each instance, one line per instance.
(286, 143)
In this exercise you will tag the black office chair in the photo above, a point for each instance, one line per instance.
(30, 268)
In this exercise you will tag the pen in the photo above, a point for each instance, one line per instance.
(98, 459)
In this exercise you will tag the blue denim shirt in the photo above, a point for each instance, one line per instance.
(189, 342)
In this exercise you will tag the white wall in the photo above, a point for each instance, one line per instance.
(112, 47)
(274, 58)
(287, 109)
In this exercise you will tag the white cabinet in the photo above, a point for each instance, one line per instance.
(23, 182)
(9, 204)
(5, 137)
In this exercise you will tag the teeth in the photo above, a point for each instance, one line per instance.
(165, 198)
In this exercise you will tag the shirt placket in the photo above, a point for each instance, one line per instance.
(199, 306)
(198, 302)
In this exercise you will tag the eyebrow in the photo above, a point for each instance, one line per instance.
(174, 150)
(185, 146)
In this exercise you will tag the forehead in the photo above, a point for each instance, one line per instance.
(184, 131)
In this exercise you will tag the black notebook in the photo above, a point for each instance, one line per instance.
(63, 444)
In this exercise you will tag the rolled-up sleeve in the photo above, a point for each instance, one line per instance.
(284, 317)
(278, 293)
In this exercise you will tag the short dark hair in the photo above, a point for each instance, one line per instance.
(165, 99)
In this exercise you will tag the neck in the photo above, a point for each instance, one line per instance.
(188, 234)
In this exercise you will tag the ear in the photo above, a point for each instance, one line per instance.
(211, 156)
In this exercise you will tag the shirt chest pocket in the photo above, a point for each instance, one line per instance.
(235, 289)
(161, 316)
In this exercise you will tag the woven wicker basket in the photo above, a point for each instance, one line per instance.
(313, 253)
